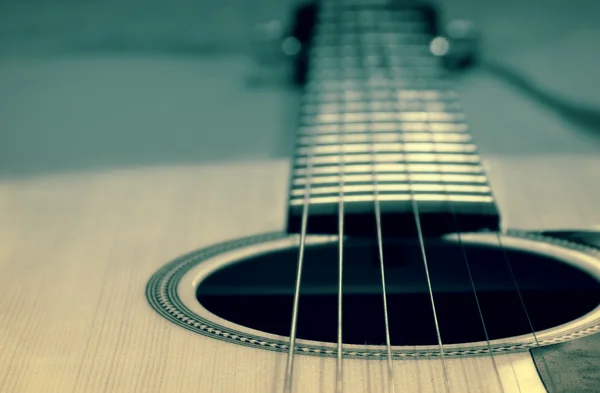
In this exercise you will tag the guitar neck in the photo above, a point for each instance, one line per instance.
(379, 121)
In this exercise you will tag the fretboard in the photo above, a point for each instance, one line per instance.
(379, 121)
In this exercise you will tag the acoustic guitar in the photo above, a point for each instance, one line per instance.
(388, 269)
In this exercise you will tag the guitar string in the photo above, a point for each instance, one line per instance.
(291, 349)
(339, 382)
(390, 367)
(289, 368)
(339, 364)
(415, 211)
(527, 316)
(453, 214)
(292, 339)
(479, 309)
(521, 299)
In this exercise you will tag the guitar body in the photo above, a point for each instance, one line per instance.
(80, 250)
(75, 316)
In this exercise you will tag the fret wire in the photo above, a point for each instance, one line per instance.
(394, 168)
(396, 177)
(384, 127)
(392, 157)
(380, 116)
(398, 198)
(398, 147)
(380, 105)
(333, 139)
(471, 189)
(349, 95)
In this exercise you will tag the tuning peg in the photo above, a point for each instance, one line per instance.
(279, 52)
(271, 45)
(273, 50)
(458, 47)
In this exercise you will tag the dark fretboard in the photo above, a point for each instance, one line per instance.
(379, 120)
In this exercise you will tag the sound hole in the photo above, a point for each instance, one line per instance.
(258, 292)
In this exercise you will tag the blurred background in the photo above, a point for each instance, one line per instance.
(91, 85)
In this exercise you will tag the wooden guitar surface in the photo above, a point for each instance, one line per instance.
(113, 166)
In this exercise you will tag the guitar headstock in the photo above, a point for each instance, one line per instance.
(284, 51)
(306, 16)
